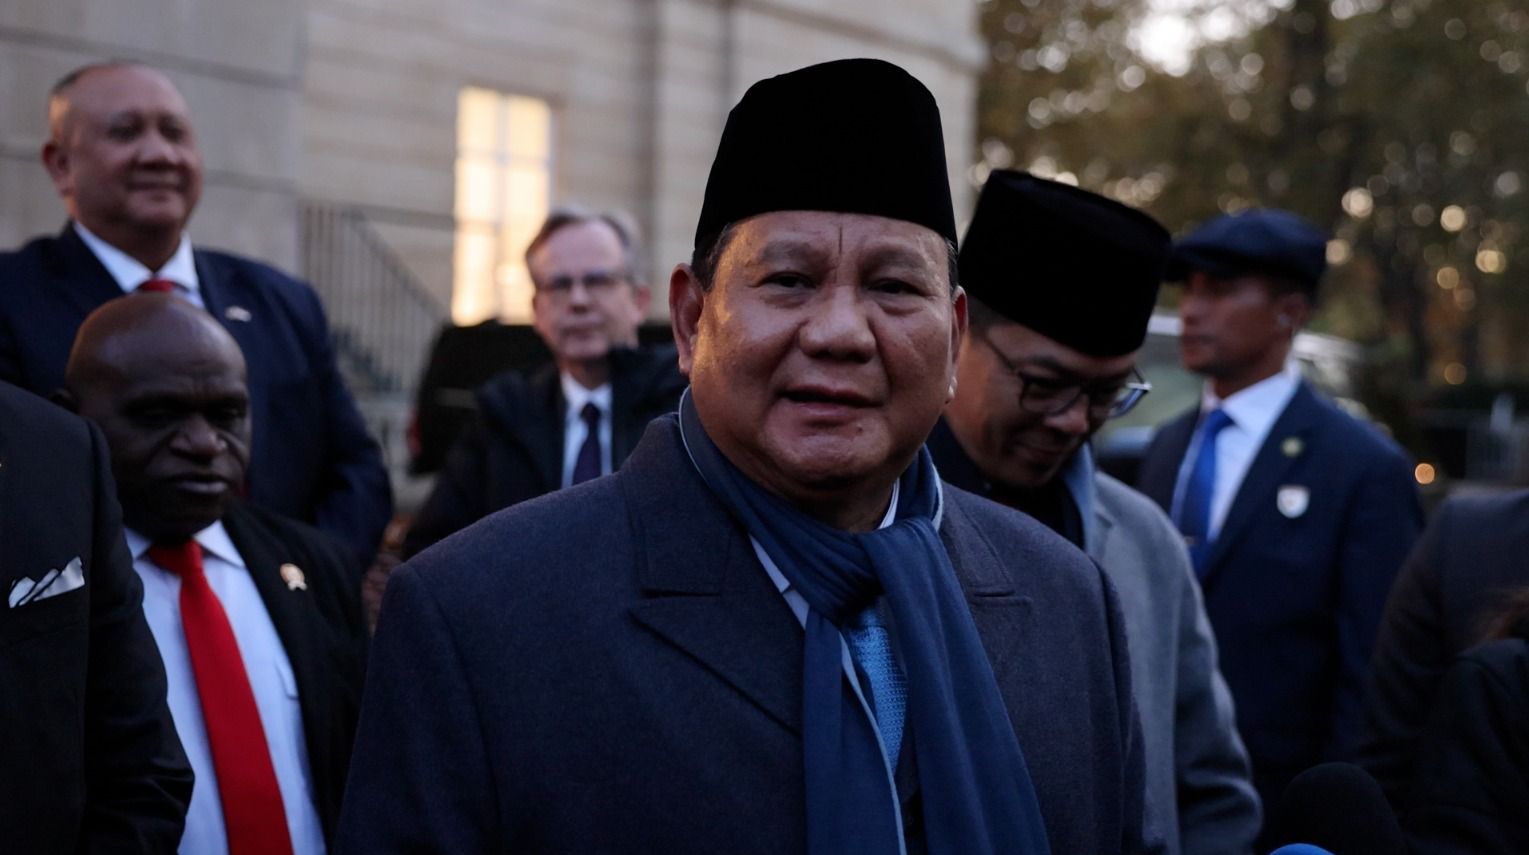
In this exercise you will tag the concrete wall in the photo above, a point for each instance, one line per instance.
(353, 102)
(639, 88)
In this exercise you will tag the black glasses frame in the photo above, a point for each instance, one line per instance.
(1044, 397)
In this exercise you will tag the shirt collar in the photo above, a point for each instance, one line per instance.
(129, 273)
(213, 539)
(577, 396)
(1255, 408)
(1078, 476)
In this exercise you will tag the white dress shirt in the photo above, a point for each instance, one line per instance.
(129, 273)
(574, 429)
(1253, 412)
(271, 679)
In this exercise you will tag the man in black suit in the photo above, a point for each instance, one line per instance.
(578, 417)
(90, 757)
(256, 616)
(123, 156)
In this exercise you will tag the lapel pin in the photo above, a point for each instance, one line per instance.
(293, 576)
(1292, 500)
(237, 313)
(1292, 446)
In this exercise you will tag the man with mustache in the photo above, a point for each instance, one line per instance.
(579, 417)
(257, 617)
(1061, 283)
(123, 155)
(1297, 515)
(773, 629)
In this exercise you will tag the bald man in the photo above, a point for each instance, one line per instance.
(123, 156)
(256, 616)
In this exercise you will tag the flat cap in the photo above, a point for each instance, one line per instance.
(857, 136)
(1074, 266)
(1258, 240)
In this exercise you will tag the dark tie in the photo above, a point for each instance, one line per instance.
(253, 813)
(587, 465)
(157, 286)
(1194, 508)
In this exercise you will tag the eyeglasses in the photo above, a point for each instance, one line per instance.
(596, 282)
(1043, 396)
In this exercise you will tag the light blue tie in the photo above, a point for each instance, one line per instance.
(1194, 508)
(871, 645)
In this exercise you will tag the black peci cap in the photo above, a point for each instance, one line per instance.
(1258, 240)
(857, 136)
(1072, 265)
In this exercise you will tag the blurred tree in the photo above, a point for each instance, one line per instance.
(1395, 124)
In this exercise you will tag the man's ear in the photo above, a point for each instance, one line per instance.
(56, 160)
(1294, 309)
(685, 302)
(958, 328)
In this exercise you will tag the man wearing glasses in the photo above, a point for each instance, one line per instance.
(579, 417)
(1061, 283)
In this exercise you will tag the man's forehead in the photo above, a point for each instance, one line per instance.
(787, 234)
(121, 89)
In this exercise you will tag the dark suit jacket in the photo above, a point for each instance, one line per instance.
(321, 629)
(1296, 601)
(513, 449)
(1471, 554)
(89, 759)
(311, 459)
(1471, 783)
(609, 669)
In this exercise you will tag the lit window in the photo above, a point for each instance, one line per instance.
(504, 184)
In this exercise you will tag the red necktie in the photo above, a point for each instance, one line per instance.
(157, 286)
(252, 809)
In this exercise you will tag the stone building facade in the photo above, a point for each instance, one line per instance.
(333, 130)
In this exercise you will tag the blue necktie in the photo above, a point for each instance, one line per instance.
(587, 465)
(1194, 508)
(871, 645)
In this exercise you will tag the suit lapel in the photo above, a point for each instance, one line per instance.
(1160, 472)
(545, 430)
(1098, 544)
(89, 283)
(624, 395)
(10, 568)
(704, 591)
(293, 612)
(1256, 493)
(999, 609)
(211, 288)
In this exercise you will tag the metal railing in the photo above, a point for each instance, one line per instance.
(382, 318)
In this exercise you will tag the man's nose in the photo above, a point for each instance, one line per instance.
(1073, 419)
(197, 438)
(578, 293)
(837, 326)
(156, 148)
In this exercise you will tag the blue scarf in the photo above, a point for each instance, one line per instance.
(977, 795)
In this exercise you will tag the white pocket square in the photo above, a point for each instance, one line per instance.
(53, 583)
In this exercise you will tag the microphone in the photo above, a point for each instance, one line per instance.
(1337, 808)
